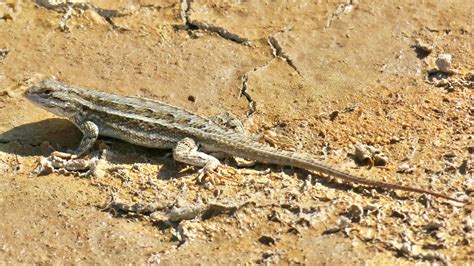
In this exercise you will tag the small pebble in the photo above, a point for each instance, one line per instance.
(432, 226)
(405, 168)
(444, 63)
(267, 240)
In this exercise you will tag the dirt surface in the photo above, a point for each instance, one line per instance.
(323, 75)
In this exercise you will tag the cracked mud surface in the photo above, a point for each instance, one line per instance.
(324, 76)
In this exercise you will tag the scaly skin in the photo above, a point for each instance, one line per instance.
(156, 124)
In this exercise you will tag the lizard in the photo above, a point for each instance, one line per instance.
(192, 138)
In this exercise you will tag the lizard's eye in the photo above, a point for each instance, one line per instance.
(47, 92)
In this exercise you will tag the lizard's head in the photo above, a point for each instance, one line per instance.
(52, 96)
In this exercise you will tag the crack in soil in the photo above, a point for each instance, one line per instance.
(278, 52)
(190, 24)
(244, 87)
(243, 92)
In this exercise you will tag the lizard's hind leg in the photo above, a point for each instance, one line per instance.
(186, 151)
(232, 122)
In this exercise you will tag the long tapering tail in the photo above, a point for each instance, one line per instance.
(266, 154)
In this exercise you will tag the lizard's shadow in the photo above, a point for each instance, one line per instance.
(27, 139)
(43, 137)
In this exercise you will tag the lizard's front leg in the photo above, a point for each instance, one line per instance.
(90, 133)
(186, 151)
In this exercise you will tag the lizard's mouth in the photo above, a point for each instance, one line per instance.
(52, 105)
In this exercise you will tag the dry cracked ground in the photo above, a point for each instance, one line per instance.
(322, 77)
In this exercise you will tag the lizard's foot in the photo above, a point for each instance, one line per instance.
(241, 162)
(275, 140)
(209, 170)
(214, 174)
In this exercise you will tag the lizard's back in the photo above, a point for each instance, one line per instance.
(140, 121)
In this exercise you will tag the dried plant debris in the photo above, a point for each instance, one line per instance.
(82, 167)
(414, 251)
(10, 164)
(67, 7)
(453, 83)
(344, 8)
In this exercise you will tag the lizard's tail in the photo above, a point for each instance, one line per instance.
(267, 154)
(359, 180)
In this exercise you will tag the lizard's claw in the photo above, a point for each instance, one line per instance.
(64, 155)
(208, 171)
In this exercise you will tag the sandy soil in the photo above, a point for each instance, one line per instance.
(322, 75)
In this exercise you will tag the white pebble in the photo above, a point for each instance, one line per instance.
(444, 63)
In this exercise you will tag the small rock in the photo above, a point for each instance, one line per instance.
(406, 168)
(436, 143)
(341, 223)
(188, 231)
(94, 17)
(470, 150)
(355, 213)
(432, 226)
(3, 53)
(270, 257)
(267, 240)
(154, 259)
(158, 216)
(468, 224)
(98, 168)
(466, 166)
(380, 159)
(369, 155)
(399, 214)
(405, 249)
(362, 154)
(444, 63)
(7, 12)
(367, 234)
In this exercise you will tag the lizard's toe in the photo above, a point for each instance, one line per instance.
(216, 174)
(208, 170)
(64, 155)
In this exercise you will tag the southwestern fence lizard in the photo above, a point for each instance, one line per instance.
(155, 124)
